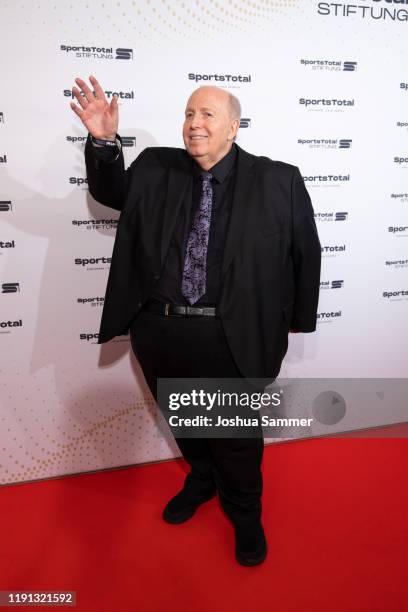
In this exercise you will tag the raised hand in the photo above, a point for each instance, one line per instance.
(99, 117)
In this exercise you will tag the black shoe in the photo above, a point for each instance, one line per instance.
(183, 505)
(250, 546)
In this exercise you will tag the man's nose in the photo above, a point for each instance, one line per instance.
(195, 122)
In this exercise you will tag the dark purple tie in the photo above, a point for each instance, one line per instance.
(195, 260)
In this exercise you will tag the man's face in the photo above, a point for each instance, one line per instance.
(208, 129)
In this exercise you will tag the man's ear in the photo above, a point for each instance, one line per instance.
(234, 129)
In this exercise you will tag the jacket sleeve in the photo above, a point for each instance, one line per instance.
(306, 253)
(108, 180)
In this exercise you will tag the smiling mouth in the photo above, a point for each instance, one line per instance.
(197, 137)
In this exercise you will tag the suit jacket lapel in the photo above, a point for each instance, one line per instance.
(245, 175)
(179, 187)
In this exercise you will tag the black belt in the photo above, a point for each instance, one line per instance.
(168, 309)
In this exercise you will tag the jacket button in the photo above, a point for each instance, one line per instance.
(156, 277)
(139, 304)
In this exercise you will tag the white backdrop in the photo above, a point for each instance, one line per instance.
(323, 86)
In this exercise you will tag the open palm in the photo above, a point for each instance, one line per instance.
(99, 117)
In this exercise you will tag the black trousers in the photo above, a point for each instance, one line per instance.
(196, 347)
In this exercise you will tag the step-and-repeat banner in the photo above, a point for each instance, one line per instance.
(323, 85)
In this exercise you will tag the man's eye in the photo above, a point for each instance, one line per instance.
(209, 114)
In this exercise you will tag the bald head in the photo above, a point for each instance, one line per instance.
(232, 102)
(211, 124)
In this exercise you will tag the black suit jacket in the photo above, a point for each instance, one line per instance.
(271, 265)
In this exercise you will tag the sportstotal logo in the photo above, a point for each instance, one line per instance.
(398, 230)
(7, 244)
(325, 143)
(335, 284)
(326, 104)
(327, 178)
(89, 337)
(396, 295)
(1, 117)
(105, 53)
(78, 181)
(124, 54)
(5, 325)
(80, 139)
(91, 224)
(92, 301)
(128, 141)
(245, 123)
(399, 197)
(93, 261)
(5, 206)
(327, 317)
(92, 337)
(397, 264)
(10, 287)
(401, 160)
(331, 216)
(333, 250)
(220, 78)
(341, 216)
(3, 159)
(331, 65)
(122, 95)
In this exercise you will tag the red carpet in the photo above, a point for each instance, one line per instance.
(335, 514)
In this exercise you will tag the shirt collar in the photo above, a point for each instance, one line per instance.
(222, 168)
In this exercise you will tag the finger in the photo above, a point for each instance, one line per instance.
(99, 93)
(114, 104)
(85, 89)
(76, 109)
(81, 99)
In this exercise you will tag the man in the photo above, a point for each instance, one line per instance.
(216, 258)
